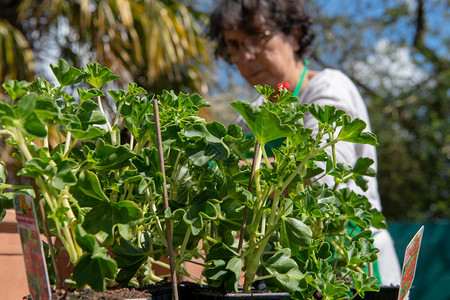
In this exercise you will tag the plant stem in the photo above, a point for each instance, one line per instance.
(15, 187)
(152, 204)
(266, 158)
(339, 250)
(183, 248)
(67, 144)
(300, 168)
(253, 261)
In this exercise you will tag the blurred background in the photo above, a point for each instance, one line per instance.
(396, 51)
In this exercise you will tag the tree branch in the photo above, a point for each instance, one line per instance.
(419, 40)
(420, 25)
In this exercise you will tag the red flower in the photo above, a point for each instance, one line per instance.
(284, 86)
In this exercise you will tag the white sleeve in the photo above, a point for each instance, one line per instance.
(333, 88)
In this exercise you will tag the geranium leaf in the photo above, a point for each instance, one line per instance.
(97, 75)
(364, 283)
(67, 75)
(86, 93)
(88, 134)
(33, 126)
(264, 124)
(129, 259)
(111, 157)
(297, 232)
(352, 131)
(285, 272)
(16, 88)
(64, 175)
(88, 190)
(95, 266)
(105, 215)
(325, 115)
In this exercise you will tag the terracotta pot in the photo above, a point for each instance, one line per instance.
(13, 277)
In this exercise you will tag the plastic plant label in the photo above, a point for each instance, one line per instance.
(37, 276)
(409, 264)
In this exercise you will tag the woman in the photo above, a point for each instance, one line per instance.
(267, 40)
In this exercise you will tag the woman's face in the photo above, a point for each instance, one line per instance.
(276, 63)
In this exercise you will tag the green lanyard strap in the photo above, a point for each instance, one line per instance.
(300, 81)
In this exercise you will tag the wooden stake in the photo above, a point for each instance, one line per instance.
(173, 273)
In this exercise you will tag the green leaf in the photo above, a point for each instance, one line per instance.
(198, 101)
(264, 124)
(135, 89)
(94, 266)
(223, 268)
(327, 115)
(324, 251)
(118, 96)
(2, 172)
(359, 252)
(266, 91)
(86, 93)
(88, 190)
(25, 106)
(86, 241)
(325, 283)
(88, 134)
(302, 135)
(212, 147)
(33, 126)
(6, 110)
(97, 75)
(220, 251)
(364, 283)
(46, 108)
(16, 88)
(92, 118)
(357, 173)
(110, 157)
(365, 234)
(105, 215)
(296, 232)
(67, 75)
(42, 86)
(129, 259)
(286, 97)
(285, 272)
(352, 132)
(6, 199)
(202, 207)
(362, 167)
(64, 175)
(89, 105)
(36, 166)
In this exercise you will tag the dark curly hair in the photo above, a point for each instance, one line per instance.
(251, 15)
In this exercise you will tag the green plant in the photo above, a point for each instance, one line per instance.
(301, 237)
(101, 192)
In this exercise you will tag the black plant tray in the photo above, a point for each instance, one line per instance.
(208, 295)
(196, 292)
(385, 293)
